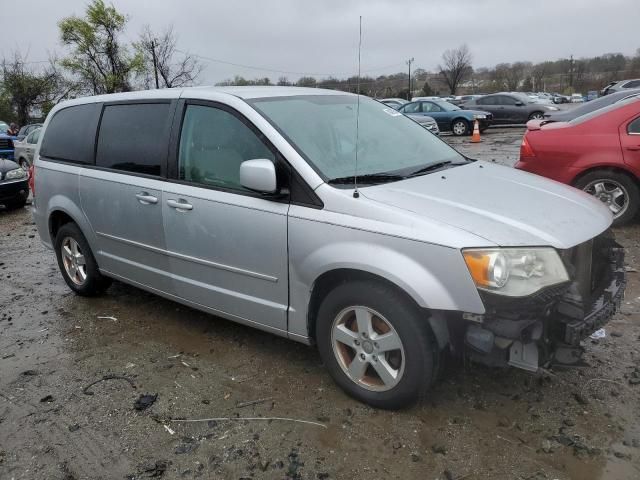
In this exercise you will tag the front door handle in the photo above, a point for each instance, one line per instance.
(633, 148)
(146, 199)
(180, 205)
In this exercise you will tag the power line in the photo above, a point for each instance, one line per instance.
(273, 70)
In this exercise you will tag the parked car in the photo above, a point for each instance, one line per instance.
(570, 114)
(509, 108)
(449, 117)
(393, 102)
(24, 150)
(576, 98)
(242, 202)
(614, 87)
(558, 98)
(3, 127)
(27, 129)
(460, 99)
(6, 146)
(427, 122)
(598, 152)
(14, 189)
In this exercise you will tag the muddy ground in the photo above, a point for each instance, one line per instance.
(479, 423)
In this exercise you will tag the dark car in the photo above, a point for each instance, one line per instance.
(621, 85)
(450, 118)
(6, 146)
(588, 107)
(510, 108)
(27, 129)
(14, 188)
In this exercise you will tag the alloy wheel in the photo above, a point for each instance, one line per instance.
(611, 193)
(536, 116)
(73, 260)
(367, 348)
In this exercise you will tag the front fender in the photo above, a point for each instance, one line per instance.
(434, 276)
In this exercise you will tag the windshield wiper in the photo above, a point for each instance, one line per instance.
(368, 179)
(430, 168)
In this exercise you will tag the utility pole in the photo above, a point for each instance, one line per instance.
(155, 63)
(571, 74)
(409, 62)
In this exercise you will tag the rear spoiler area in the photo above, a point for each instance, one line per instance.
(533, 125)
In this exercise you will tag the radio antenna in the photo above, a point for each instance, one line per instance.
(355, 176)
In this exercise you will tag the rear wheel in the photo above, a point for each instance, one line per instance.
(460, 127)
(536, 116)
(77, 263)
(376, 344)
(616, 190)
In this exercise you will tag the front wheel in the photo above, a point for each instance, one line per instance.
(460, 127)
(616, 190)
(536, 116)
(376, 344)
(24, 164)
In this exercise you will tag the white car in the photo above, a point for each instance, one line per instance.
(577, 98)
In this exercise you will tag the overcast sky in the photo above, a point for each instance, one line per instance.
(320, 37)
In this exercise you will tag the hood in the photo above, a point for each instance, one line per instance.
(6, 165)
(507, 207)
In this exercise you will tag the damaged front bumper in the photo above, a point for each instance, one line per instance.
(548, 326)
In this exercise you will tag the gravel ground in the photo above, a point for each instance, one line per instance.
(479, 423)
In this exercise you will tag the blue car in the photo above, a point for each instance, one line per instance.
(6, 146)
(449, 117)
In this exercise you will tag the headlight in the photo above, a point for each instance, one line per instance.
(480, 117)
(15, 174)
(515, 272)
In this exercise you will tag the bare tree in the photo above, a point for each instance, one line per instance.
(165, 65)
(511, 75)
(456, 67)
(31, 90)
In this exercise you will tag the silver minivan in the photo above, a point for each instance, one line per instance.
(330, 220)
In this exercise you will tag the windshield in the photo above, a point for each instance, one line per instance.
(3, 127)
(323, 130)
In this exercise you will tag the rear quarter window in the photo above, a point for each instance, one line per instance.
(71, 134)
(134, 137)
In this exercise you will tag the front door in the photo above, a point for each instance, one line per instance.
(227, 245)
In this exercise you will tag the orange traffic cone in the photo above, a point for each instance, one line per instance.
(475, 138)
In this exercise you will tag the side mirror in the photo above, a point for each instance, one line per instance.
(259, 175)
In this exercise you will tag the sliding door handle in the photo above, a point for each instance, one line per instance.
(180, 205)
(146, 199)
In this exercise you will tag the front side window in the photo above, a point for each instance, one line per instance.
(492, 100)
(33, 136)
(323, 129)
(213, 144)
(411, 107)
(430, 107)
(634, 127)
(134, 137)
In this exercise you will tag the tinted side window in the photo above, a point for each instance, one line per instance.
(634, 127)
(213, 144)
(33, 136)
(633, 84)
(487, 101)
(134, 137)
(71, 134)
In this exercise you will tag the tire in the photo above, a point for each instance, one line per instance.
(536, 116)
(460, 127)
(93, 283)
(414, 362)
(24, 164)
(16, 203)
(611, 183)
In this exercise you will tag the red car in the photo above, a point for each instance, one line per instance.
(598, 152)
